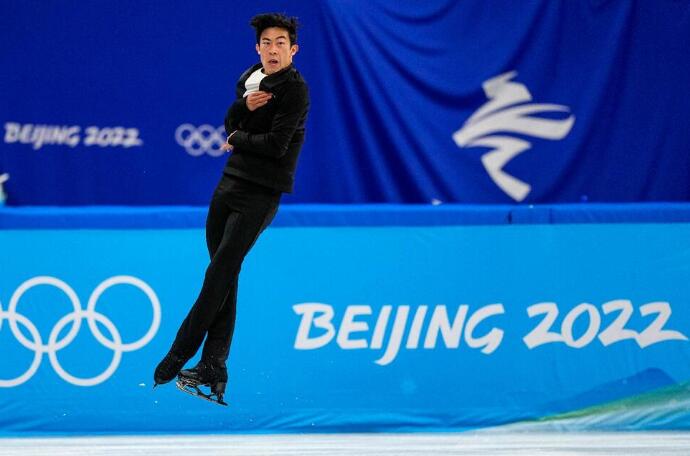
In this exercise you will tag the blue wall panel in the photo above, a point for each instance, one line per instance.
(355, 328)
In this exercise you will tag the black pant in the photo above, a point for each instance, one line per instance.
(240, 210)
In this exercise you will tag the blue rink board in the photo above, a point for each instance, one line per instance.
(162, 217)
(354, 328)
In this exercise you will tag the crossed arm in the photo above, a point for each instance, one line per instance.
(274, 143)
(240, 108)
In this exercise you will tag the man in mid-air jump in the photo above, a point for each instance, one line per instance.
(265, 128)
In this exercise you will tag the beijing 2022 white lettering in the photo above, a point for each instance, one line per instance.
(66, 135)
(317, 329)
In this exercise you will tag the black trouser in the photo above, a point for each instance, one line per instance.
(240, 210)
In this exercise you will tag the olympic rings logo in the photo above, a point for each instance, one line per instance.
(199, 140)
(54, 345)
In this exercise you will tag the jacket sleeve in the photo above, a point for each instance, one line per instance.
(237, 111)
(289, 112)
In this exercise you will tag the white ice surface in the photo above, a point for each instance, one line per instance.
(532, 444)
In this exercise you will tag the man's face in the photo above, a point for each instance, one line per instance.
(275, 50)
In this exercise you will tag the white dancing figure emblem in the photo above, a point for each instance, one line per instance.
(505, 112)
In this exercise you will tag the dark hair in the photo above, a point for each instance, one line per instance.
(261, 22)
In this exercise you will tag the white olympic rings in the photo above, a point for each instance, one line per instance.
(75, 317)
(200, 140)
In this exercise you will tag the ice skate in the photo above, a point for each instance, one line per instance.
(168, 368)
(204, 374)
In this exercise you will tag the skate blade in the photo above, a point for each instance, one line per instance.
(192, 388)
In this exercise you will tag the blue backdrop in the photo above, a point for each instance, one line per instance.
(120, 102)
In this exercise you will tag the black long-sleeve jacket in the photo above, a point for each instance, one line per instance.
(268, 140)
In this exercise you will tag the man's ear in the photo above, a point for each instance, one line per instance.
(258, 51)
(293, 49)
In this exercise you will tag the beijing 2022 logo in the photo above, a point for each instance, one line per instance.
(91, 315)
(507, 113)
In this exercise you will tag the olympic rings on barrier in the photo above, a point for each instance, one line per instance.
(200, 140)
(75, 317)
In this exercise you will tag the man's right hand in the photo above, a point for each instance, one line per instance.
(255, 100)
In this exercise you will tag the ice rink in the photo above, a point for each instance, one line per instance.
(471, 443)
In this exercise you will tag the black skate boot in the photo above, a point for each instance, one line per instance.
(168, 368)
(207, 373)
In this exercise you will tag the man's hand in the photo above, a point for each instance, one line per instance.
(226, 145)
(255, 100)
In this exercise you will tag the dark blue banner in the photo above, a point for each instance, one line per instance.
(122, 102)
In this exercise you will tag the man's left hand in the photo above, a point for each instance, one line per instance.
(227, 146)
